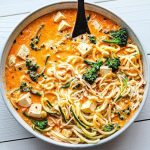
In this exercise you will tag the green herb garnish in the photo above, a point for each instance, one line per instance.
(108, 127)
(25, 88)
(39, 124)
(121, 116)
(32, 70)
(31, 66)
(92, 39)
(127, 111)
(35, 40)
(42, 124)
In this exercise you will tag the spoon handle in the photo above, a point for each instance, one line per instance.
(81, 25)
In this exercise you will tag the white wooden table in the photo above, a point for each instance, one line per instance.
(137, 14)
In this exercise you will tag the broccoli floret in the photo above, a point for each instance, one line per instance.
(91, 74)
(113, 63)
(119, 37)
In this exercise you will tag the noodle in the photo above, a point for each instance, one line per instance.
(73, 109)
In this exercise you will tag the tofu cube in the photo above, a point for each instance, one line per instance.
(63, 26)
(96, 25)
(105, 70)
(24, 100)
(67, 132)
(20, 66)
(35, 110)
(84, 48)
(59, 16)
(11, 60)
(105, 54)
(103, 50)
(49, 44)
(50, 71)
(89, 106)
(23, 52)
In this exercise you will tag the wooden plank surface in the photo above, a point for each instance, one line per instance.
(28, 6)
(137, 137)
(137, 14)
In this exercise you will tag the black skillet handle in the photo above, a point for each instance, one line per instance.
(81, 25)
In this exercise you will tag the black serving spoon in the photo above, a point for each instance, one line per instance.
(81, 25)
